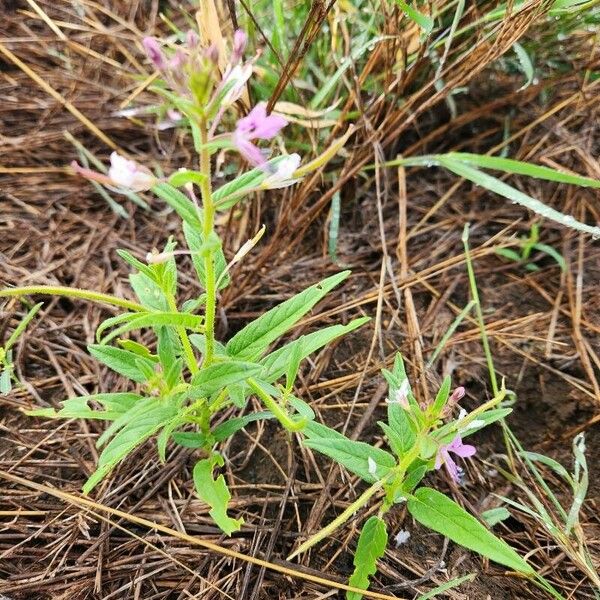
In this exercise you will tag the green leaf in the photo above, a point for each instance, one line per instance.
(227, 429)
(395, 441)
(398, 419)
(442, 396)
(550, 251)
(255, 338)
(509, 165)
(196, 439)
(148, 292)
(138, 349)
(137, 264)
(169, 348)
(215, 493)
(5, 383)
(135, 426)
(355, 456)
(414, 476)
(199, 340)
(301, 407)
(509, 254)
(214, 378)
(441, 514)
(425, 22)
(180, 203)
(165, 435)
(314, 430)
(231, 192)
(122, 361)
(154, 320)
(114, 405)
(526, 64)
(447, 585)
(20, 328)
(499, 187)
(195, 242)
(371, 547)
(185, 176)
(495, 515)
(275, 363)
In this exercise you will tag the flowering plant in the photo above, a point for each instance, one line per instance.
(179, 396)
(423, 438)
(187, 379)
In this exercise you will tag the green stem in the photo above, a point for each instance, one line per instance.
(341, 519)
(209, 263)
(69, 292)
(274, 407)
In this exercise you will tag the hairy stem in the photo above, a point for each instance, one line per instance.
(209, 262)
(69, 292)
(274, 407)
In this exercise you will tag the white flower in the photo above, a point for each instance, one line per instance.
(127, 173)
(283, 175)
(372, 466)
(237, 75)
(462, 414)
(401, 395)
(401, 537)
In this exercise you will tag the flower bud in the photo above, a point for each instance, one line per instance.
(192, 39)
(127, 173)
(154, 52)
(240, 39)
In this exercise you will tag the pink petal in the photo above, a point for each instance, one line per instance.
(441, 457)
(257, 125)
(249, 151)
(452, 469)
(465, 450)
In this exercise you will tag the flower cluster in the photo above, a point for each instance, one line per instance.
(202, 94)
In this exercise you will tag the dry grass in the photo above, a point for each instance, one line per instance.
(67, 67)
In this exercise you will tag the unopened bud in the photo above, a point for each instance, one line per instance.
(154, 52)
(457, 395)
(191, 39)
(240, 39)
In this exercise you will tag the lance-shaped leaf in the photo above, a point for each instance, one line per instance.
(275, 363)
(215, 493)
(438, 512)
(214, 378)
(134, 321)
(368, 462)
(254, 339)
(135, 426)
(180, 203)
(371, 547)
(124, 362)
(196, 439)
(113, 406)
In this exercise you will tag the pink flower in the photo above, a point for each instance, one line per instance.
(256, 126)
(456, 447)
